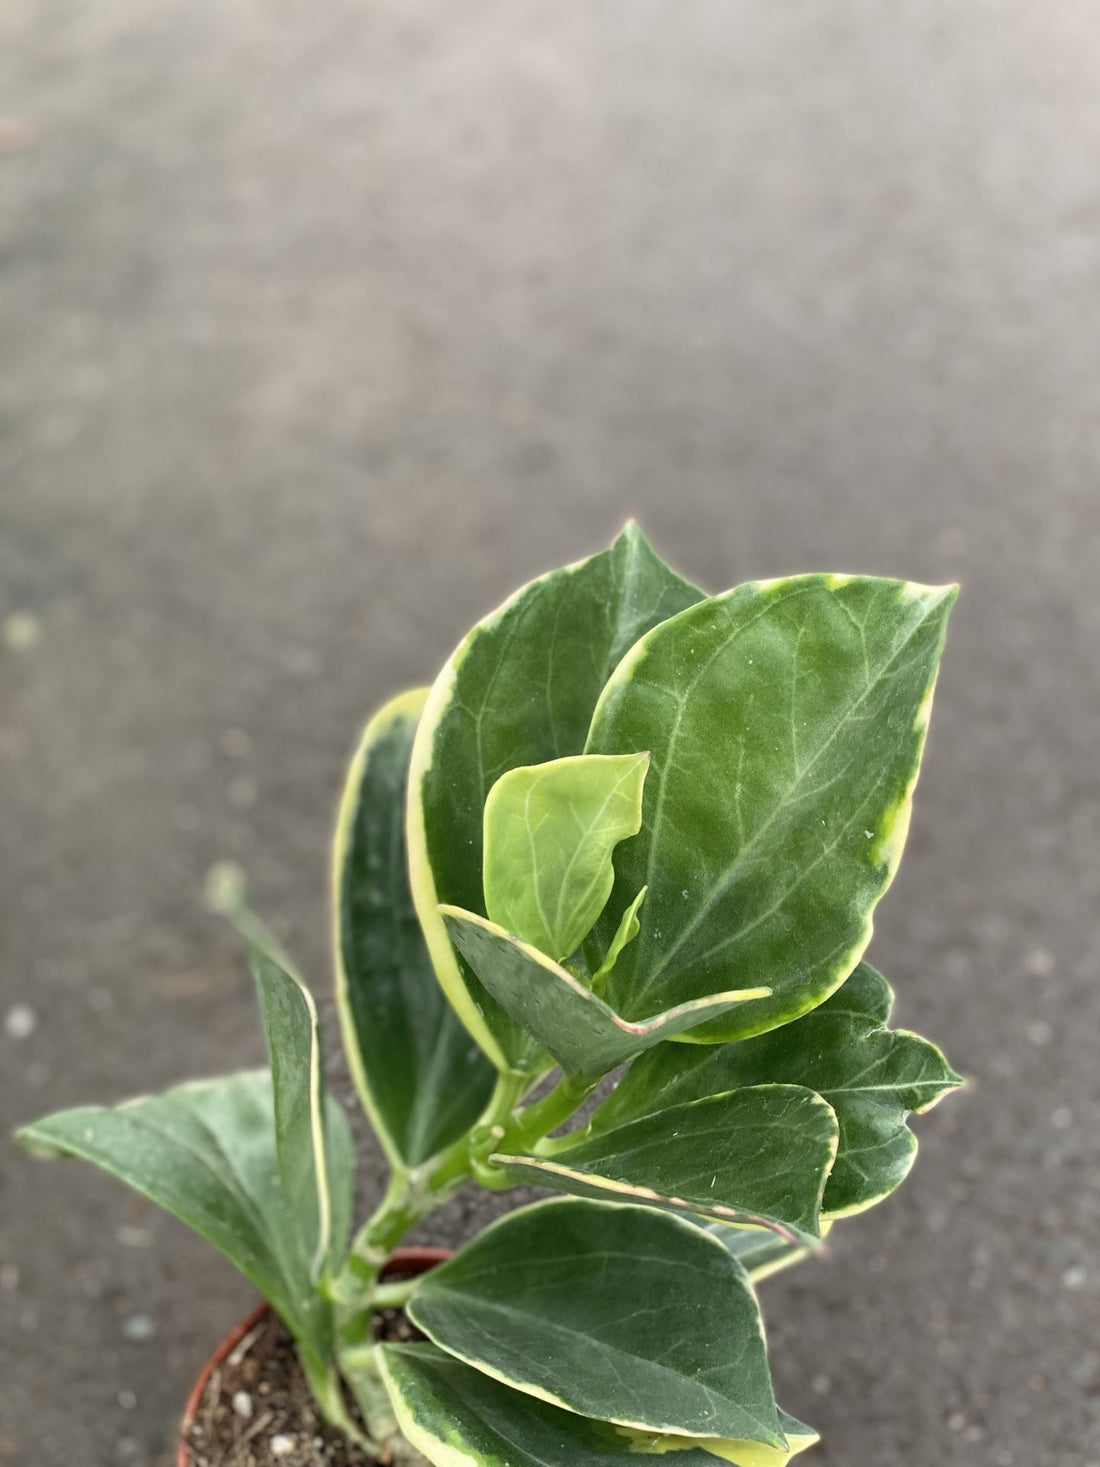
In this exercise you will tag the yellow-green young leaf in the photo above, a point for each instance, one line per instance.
(872, 1076)
(206, 1153)
(549, 833)
(754, 1158)
(786, 721)
(584, 1035)
(520, 689)
(460, 1417)
(624, 1314)
(422, 1078)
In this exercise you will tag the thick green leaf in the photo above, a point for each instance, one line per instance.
(549, 832)
(786, 721)
(206, 1153)
(460, 1417)
(585, 1035)
(873, 1077)
(756, 1157)
(519, 690)
(422, 1079)
(624, 1314)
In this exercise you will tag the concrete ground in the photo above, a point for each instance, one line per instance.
(325, 325)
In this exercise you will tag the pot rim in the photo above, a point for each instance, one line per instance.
(413, 1259)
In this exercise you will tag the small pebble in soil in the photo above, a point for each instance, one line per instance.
(282, 1446)
(139, 1329)
(242, 1405)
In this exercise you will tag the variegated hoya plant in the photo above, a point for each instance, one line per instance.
(628, 845)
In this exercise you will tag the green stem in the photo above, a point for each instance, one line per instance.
(326, 1389)
(395, 1295)
(553, 1110)
(411, 1195)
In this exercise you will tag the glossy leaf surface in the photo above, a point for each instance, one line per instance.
(520, 689)
(873, 1077)
(757, 1157)
(460, 1417)
(206, 1153)
(625, 1314)
(549, 833)
(584, 1035)
(786, 721)
(422, 1079)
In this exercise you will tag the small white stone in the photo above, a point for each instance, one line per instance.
(127, 1400)
(139, 1328)
(21, 1021)
(1075, 1278)
(242, 1405)
(821, 1385)
(282, 1446)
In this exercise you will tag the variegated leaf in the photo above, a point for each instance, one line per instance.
(421, 1077)
(206, 1152)
(460, 1417)
(872, 1076)
(625, 1314)
(755, 1157)
(786, 721)
(520, 689)
(585, 1035)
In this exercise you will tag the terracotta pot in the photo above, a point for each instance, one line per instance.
(406, 1262)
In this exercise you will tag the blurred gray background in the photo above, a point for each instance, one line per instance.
(325, 325)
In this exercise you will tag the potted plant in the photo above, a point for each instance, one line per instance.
(602, 895)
